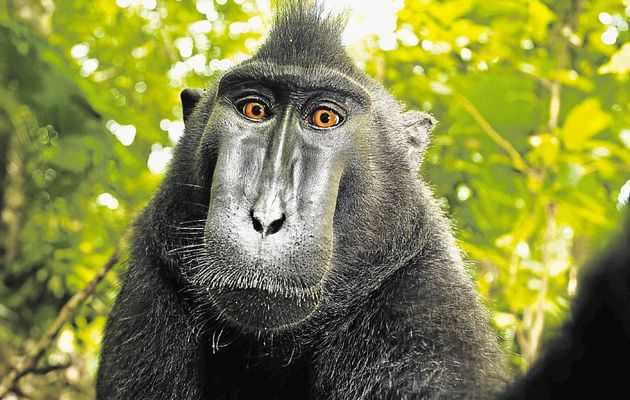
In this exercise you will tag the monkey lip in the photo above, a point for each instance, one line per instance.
(254, 309)
(257, 284)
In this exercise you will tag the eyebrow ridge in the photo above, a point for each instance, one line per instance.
(255, 70)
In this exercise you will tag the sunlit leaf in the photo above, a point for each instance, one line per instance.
(583, 122)
(619, 63)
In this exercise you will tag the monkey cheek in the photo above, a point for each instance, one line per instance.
(260, 310)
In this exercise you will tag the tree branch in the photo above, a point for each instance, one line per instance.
(536, 328)
(28, 363)
(517, 160)
(47, 368)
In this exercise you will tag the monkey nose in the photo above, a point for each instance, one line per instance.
(267, 221)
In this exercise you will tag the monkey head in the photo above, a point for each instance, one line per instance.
(302, 159)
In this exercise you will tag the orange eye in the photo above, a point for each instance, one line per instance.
(324, 118)
(255, 110)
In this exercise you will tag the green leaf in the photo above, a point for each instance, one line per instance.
(583, 122)
(540, 17)
(504, 320)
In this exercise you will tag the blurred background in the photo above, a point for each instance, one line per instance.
(531, 157)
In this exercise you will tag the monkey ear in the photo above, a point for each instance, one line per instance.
(190, 98)
(418, 126)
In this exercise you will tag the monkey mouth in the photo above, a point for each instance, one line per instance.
(258, 300)
(255, 310)
(258, 284)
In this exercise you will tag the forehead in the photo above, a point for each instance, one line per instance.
(295, 78)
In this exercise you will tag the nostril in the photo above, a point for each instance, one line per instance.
(263, 227)
(256, 222)
(276, 225)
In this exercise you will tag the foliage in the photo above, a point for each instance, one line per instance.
(529, 157)
(531, 154)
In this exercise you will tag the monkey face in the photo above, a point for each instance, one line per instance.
(282, 138)
(302, 163)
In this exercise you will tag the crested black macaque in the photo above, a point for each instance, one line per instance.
(292, 252)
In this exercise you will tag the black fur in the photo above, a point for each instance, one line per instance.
(383, 309)
(305, 36)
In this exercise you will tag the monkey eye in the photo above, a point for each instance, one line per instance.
(255, 110)
(323, 118)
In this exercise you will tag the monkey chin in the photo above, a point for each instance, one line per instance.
(258, 310)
